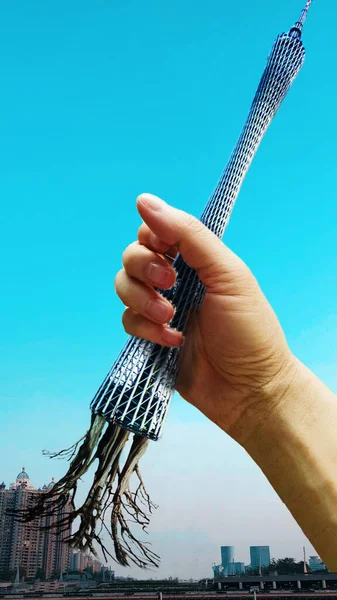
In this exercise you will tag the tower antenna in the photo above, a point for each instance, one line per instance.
(296, 30)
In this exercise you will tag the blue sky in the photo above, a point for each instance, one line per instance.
(102, 101)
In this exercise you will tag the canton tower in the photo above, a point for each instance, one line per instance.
(135, 395)
(137, 391)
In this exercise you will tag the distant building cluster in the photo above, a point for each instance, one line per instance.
(259, 557)
(25, 547)
(81, 561)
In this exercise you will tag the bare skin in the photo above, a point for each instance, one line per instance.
(236, 365)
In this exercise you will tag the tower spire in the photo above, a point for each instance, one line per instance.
(296, 30)
(305, 569)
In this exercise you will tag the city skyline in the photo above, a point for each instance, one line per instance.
(194, 564)
(102, 114)
(262, 563)
(77, 560)
(259, 557)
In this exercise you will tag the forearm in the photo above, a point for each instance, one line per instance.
(295, 445)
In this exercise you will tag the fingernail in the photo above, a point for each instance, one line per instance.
(152, 202)
(159, 275)
(171, 337)
(159, 311)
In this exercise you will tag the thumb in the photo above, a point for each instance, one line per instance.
(200, 248)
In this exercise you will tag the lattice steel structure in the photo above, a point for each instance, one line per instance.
(138, 389)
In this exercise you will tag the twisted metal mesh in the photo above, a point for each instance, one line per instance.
(138, 389)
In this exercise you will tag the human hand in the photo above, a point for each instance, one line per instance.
(236, 365)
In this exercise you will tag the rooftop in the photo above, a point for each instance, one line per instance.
(23, 474)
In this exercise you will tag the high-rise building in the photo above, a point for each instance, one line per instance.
(316, 564)
(77, 560)
(83, 560)
(238, 568)
(27, 545)
(92, 564)
(227, 558)
(259, 556)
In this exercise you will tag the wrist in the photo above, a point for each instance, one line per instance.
(264, 406)
(293, 441)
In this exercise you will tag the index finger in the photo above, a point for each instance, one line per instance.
(147, 238)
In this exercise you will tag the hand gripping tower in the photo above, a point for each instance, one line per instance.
(137, 391)
(135, 395)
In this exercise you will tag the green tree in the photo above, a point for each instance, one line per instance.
(282, 566)
(272, 567)
(55, 575)
(7, 575)
(288, 566)
(40, 574)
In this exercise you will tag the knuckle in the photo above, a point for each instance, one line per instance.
(119, 280)
(142, 231)
(193, 224)
(244, 274)
(242, 271)
(129, 253)
(126, 321)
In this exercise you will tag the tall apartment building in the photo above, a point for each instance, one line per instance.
(77, 561)
(25, 544)
(227, 558)
(259, 556)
